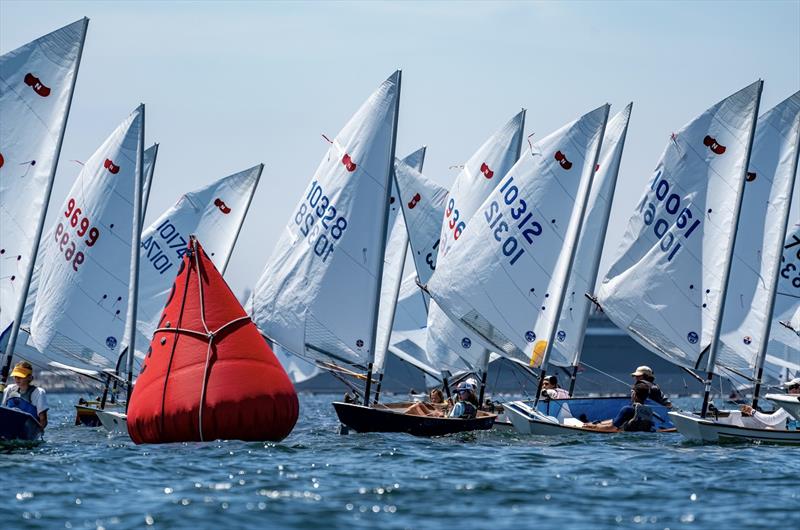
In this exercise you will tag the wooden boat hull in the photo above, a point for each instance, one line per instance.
(789, 403)
(389, 419)
(707, 430)
(16, 425)
(113, 421)
(86, 415)
(526, 420)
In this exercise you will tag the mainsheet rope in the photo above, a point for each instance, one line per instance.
(206, 334)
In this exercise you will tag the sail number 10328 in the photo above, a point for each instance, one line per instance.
(317, 207)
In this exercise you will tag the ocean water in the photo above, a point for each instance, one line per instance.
(84, 478)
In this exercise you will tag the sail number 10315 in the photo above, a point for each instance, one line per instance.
(317, 207)
(511, 213)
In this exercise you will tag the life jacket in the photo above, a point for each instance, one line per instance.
(642, 420)
(22, 401)
(470, 411)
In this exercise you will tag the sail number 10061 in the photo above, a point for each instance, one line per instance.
(317, 207)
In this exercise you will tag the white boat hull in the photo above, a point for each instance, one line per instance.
(526, 420)
(790, 404)
(114, 422)
(708, 430)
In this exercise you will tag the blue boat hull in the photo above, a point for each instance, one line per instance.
(589, 410)
(17, 425)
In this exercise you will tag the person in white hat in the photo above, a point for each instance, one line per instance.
(467, 405)
(792, 387)
(645, 375)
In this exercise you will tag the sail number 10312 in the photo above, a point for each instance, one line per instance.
(317, 207)
(511, 213)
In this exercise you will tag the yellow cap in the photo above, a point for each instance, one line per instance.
(23, 369)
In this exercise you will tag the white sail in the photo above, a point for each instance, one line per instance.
(575, 313)
(500, 280)
(394, 260)
(214, 214)
(318, 294)
(760, 237)
(664, 288)
(150, 155)
(82, 296)
(423, 204)
(449, 345)
(36, 86)
(783, 352)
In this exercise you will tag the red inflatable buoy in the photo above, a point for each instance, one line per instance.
(209, 374)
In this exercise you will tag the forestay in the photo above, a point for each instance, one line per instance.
(82, 296)
(394, 260)
(150, 155)
(447, 344)
(214, 215)
(760, 238)
(498, 280)
(664, 288)
(36, 85)
(318, 293)
(575, 313)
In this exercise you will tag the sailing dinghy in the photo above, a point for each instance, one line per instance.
(504, 279)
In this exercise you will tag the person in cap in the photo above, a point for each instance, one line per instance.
(467, 405)
(792, 387)
(551, 390)
(24, 396)
(644, 374)
(636, 417)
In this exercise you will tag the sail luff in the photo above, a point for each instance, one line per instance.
(573, 247)
(384, 230)
(394, 294)
(762, 352)
(148, 184)
(136, 237)
(598, 254)
(715, 342)
(20, 309)
(239, 228)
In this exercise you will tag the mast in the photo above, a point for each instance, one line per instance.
(483, 368)
(596, 266)
(239, 228)
(26, 284)
(762, 352)
(712, 355)
(149, 181)
(572, 251)
(133, 288)
(398, 282)
(384, 229)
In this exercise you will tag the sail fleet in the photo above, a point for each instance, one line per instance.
(504, 263)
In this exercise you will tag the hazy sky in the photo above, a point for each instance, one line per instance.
(228, 85)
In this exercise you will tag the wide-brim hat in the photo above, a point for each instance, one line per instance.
(791, 384)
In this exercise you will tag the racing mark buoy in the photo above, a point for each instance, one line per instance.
(214, 377)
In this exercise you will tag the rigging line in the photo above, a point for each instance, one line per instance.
(584, 363)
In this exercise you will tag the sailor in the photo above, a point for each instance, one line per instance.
(636, 417)
(644, 374)
(24, 396)
(792, 387)
(551, 390)
(467, 405)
